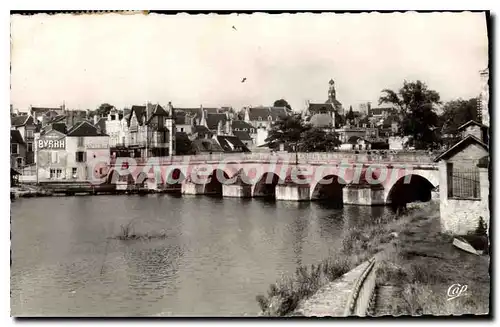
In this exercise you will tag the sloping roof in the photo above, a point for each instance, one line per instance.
(57, 118)
(242, 135)
(334, 102)
(315, 108)
(468, 140)
(213, 120)
(43, 109)
(84, 128)
(20, 120)
(15, 137)
(101, 123)
(201, 129)
(259, 113)
(157, 111)
(241, 125)
(231, 144)
(471, 122)
(59, 126)
(140, 113)
(206, 146)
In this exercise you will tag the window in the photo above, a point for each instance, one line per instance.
(182, 129)
(80, 156)
(29, 133)
(73, 172)
(14, 148)
(54, 157)
(30, 147)
(463, 183)
(80, 141)
(19, 162)
(56, 173)
(260, 118)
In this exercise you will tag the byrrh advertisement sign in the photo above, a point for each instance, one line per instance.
(52, 144)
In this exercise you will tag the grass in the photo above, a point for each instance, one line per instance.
(128, 233)
(357, 246)
(423, 263)
(415, 258)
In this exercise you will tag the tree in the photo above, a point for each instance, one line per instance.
(349, 117)
(416, 104)
(339, 120)
(456, 113)
(282, 103)
(317, 140)
(104, 109)
(287, 131)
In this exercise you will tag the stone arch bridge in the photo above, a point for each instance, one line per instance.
(347, 178)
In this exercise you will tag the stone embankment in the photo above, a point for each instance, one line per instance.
(351, 294)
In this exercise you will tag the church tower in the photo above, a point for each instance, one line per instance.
(332, 96)
(170, 124)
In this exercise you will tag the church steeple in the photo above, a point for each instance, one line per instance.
(331, 91)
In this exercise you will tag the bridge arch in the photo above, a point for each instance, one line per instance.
(216, 179)
(174, 177)
(328, 188)
(266, 185)
(141, 179)
(411, 188)
(113, 177)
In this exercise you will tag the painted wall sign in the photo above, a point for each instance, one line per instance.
(96, 146)
(51, 144)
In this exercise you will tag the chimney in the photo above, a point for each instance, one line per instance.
(96, 119)
(229, 128)
(219, 127)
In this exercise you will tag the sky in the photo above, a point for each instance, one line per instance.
(194, 60)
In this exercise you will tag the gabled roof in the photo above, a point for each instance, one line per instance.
(15, 137)
(213, 120)
(471, 122)
(262, 113)
(242, 135)
(157, 111)
(241, 124)
(468, 140)
(59, 126)
(140, 113)
(21, 120)
(231, 144)
(84, 128)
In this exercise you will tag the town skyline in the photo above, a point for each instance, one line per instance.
(293, 61)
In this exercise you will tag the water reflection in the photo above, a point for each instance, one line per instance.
(218, 254)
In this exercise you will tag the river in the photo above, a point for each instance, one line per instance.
(217, 256)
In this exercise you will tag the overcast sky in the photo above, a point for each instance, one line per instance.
(192, 60)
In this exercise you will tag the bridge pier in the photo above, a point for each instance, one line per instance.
(292, 192)
(192, 188)
(237, 191)
(363, 194)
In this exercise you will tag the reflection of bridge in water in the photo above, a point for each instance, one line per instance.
(348, 178)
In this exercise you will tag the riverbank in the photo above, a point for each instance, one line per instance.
(417, 266)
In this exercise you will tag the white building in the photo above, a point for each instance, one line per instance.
(80, 155)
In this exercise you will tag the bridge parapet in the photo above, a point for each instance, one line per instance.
(302, 158)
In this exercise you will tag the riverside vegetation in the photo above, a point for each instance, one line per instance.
(416, 258)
